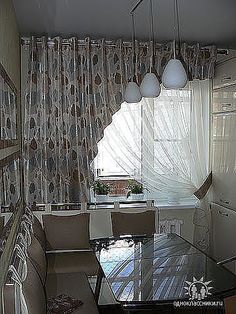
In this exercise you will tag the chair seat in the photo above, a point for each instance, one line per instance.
(75, 285)
(72, 262)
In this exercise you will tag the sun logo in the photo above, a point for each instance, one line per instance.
(198, 289)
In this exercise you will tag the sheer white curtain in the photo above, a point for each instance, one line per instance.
(164, 143)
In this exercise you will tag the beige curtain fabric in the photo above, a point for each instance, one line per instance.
(204, 188)
(71, 93)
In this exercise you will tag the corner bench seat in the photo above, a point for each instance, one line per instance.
(63, 272)
(75, 285)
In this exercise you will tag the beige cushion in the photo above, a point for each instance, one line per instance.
(33, 291)
(67, 232)
(133, 223)
(74, 285)
(38, 258)
(9, 298)
(39, 232)
(7, 228)
(72, 262)
(230, 305)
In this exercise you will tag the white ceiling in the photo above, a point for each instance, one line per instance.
(205, 21)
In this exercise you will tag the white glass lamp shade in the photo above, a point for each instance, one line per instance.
(174, 75)
(132, 93)
(150, 86)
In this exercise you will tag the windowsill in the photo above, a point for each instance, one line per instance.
(164, 205)
(113, 177)
(180, 205)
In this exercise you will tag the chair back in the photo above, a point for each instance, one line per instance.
(67, 232)
(133, 223)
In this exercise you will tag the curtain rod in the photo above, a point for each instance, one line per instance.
(81, 42)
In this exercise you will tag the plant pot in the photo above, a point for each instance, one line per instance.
(101, 198)
(136, 197)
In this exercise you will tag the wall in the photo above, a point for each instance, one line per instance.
(224, 58)
(9, 42)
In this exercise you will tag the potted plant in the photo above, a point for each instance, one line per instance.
(135, 190)
(101, 190)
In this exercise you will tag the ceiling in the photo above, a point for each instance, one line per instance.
(204, 21)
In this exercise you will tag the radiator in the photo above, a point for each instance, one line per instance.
(170, 226)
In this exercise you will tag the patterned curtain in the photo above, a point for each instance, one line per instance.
(72, 91)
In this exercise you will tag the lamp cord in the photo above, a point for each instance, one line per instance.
(176, 27)
(133, 48)
(151, 35)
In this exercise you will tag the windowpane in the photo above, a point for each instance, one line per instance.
(172, 131)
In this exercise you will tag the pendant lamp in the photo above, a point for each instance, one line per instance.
(132, 91)
(174, 75)
(150, 86)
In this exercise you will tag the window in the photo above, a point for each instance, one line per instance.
(117, 154)
(150, 141)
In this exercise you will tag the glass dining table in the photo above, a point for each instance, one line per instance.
(165, 269)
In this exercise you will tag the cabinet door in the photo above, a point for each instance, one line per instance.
(225, 74)
(224, 159)
(224, 222)
(224, 99)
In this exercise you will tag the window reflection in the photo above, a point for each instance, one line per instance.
(157, 268)
(144, 270)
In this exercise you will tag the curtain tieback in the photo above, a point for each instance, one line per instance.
(202, 191)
